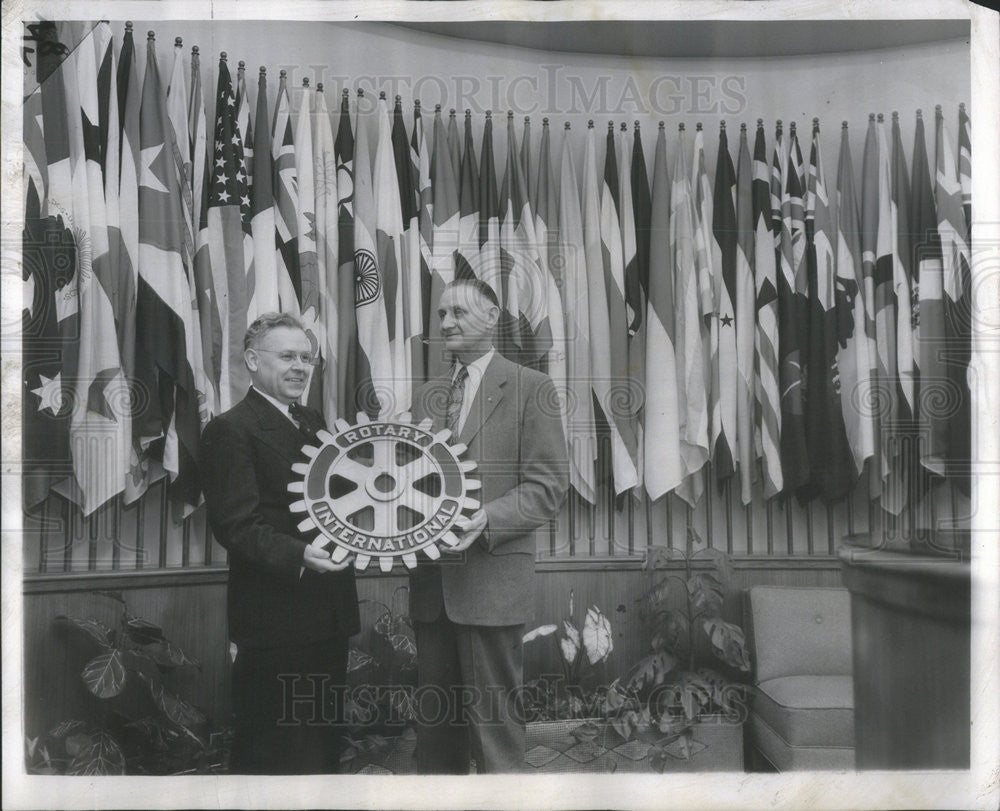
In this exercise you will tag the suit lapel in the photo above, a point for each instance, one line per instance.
(276, 430)
(488, 397)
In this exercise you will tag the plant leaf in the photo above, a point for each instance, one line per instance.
(541, 630)
(728, 643)
(77, 743)
(357, 659)
(383, 624)
(64, 728)
(401, 643)
(104, 675)
(167, 655)
(142, 632)
(570, 642)
(597, 637)
(102, 757)
(97, 630)
(175, 709)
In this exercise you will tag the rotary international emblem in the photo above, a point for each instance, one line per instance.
(383, 489)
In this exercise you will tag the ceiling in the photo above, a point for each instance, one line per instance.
(701, 38)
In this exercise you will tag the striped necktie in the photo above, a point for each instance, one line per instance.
(455, 397)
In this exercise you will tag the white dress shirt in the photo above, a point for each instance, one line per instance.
(282, 407)
(476, 369)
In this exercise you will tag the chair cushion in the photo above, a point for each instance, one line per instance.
(800, 630)
(808, 710)
(791, 758)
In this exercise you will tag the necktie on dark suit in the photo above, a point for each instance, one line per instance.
(455, 397)
(299, 415)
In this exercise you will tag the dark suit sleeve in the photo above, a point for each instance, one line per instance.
(543, 471)
(233, 501)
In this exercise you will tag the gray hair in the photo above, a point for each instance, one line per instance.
(267, 322)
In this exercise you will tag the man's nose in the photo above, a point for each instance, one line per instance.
(447, 321)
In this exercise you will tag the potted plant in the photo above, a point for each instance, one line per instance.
(690, 689)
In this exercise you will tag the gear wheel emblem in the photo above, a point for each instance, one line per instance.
(385, 489)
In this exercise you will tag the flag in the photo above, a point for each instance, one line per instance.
(745, 320)
(372, 383)
(310, 284)
(962, 427)
(767, 396)
(264, 296)
(411, 287)
(527, 170)
(224, 243)
(347, 324)
(856, 348)
(632, 292)
(928, 310)
(425, 237)
(48, 266)
(707, 257)
(832, 471)
(692, 394)
(547, 234)
(164, 317)
(965, 163)
(608, 346)
(389, 242)
(663, 468)
(454, 145)
(570, 255)
(723, 328)
(467, 245)
(178, 142)
(446, 214)
(243, 120)
(637, 281)
(953, 229)
(793, 318)
(526, 290)
(286, 203)
(327, 255)
(197, 141)
(486, 264)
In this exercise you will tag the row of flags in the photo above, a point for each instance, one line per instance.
(752, 325)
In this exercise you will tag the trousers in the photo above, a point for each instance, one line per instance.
(469, 697)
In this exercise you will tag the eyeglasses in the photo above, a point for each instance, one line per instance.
(287, 357)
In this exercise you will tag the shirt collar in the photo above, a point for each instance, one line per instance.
(282, 407)
(476, 367)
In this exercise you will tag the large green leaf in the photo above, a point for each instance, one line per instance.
(102, 757)
(95, 629)
(357, 659)
(597, 637)
(142, 632)
(723, 565)
(728, 643)
(104, 675)
(706, 593)
(167, 655)
(175, 709)
(64, 728)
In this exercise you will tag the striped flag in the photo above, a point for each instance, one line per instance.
(707, 257)
(766, 392)
(372, 383)
(446, 213)
(723, 328)
(692, 394)
(526, 289)
(411, 286)
(856, 350)
(793, 320)
(608, 344)
(197, 141)
(547, 235)
(929, 309)
(571, 256)
(965, 163)
(632, 292)
(832, 466)
(347, 324)
(467, 246)
(425, 235)
(956, 282)
(243, 121)
(286, 204)
(745, 318)
(164, 318)
(663, 468)
(389, 244)
(223, 245)
(327, 255)
(262, 223)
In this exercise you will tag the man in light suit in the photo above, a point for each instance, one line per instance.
(469, 612)
(291, 609)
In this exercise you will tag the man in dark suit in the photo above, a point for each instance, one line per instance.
(469, 613)
(291, 609)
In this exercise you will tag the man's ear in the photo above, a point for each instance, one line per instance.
(251, 359)
(494, 315)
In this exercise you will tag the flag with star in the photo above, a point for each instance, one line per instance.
(767, 396)
(832, 472)
(568, 253)
(164, 318)
(48, 264)
(227, 244)
(725, 368)
(243, 120)
(662, 471)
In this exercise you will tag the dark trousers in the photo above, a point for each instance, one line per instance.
(469, 705)
(288, 707)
